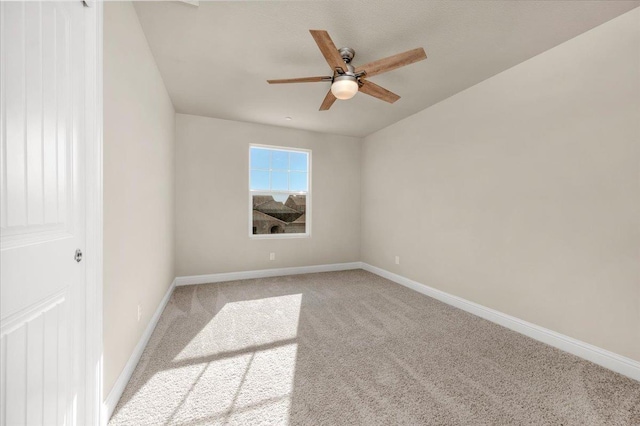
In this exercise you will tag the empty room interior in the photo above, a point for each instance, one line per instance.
(320, 213)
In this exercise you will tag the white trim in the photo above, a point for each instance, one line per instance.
(121, 383)
(93, 215)
(264, 273)
(279, 236)
(602, 357)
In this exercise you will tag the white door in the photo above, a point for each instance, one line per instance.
(42, 313)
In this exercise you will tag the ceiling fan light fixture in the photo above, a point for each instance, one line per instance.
(344, 87)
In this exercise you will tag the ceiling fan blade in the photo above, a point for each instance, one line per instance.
(328, 101)
(379, 92)
(299, 80)
(392, 62)
(329, 50)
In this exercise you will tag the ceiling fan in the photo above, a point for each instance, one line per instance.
(346, 79)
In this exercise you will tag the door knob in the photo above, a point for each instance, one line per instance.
(78, 256)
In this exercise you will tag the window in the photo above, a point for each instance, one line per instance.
(279, 196)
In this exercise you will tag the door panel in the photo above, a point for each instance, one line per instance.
(42, 212)
(36, 367)
(37, 101)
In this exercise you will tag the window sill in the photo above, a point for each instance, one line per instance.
(277, 236)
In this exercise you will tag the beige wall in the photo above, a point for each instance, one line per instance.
(522, 193)
(212, 199)
(139, 134)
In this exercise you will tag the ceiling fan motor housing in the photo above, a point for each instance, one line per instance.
(347, 53)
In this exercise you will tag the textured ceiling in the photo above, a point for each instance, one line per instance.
(215, 58)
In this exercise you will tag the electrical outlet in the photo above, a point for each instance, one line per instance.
(272, 256)
(397, 260)
(139, 312)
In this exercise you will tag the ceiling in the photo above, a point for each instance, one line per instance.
(215, 58)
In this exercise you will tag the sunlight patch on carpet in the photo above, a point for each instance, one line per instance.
(244, 324)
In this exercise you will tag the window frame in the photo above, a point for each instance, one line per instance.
(307, 233)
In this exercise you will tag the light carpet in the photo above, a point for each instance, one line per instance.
(352, 348)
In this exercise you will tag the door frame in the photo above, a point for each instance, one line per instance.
(94, 410)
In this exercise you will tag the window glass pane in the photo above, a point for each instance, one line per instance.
(259, 158)
(279, 181)
(278, 214)
(279, 160)
(281, 178)
(259, 180)
(298, 161)
(298, 181)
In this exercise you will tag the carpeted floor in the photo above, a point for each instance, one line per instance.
(351, 348)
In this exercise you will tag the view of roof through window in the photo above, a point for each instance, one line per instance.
(279, 188)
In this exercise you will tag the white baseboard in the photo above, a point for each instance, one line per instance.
(116, 392)
(602, 357)
(264, 273)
